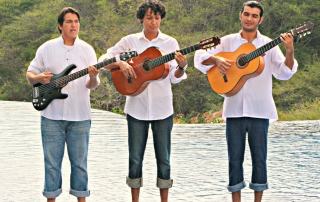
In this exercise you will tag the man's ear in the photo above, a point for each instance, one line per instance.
(261, 20)
(240, 15)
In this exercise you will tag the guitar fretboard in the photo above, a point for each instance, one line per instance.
(262, 49)
(66, 79)
(60, 82)
(166, 58)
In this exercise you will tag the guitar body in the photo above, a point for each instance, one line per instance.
(145, 73)
(152, 65)
(237, 74)
(43, 96)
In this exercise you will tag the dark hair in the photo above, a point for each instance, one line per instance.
(155, 5)
(63, 12)
(253, 4)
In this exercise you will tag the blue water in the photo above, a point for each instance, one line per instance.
(199, 161)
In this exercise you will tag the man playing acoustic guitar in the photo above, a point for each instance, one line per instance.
(250, 109)
(154, 105)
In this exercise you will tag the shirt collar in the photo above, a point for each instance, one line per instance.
(62, 41)
(240, 37)
(160, 36)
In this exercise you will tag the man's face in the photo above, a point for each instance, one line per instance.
(70, 26)
(151, 22)
(250, 19)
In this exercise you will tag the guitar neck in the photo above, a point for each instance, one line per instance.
(166, 58)
(256, 53)
(66, 79)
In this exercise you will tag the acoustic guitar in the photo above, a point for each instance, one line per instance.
(248, 63)
(43, 94)
(152, 65)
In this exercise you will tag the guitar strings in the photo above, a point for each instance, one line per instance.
(263, 49)
(61, 82)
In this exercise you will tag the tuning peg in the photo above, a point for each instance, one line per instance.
(308, 32)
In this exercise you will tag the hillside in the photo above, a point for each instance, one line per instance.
(26, 24)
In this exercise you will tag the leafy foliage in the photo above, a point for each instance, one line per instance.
(26, 24)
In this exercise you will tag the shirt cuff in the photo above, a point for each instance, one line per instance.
(175, 80)
(199, 58)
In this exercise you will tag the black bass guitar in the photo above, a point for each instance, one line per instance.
(43, 94)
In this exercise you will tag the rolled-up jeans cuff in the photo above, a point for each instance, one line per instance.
(52, 194)
(164, 184)
(134, 183)
(258, 187)
(79, 194)
(237, 187)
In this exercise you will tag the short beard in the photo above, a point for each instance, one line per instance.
(250, 30)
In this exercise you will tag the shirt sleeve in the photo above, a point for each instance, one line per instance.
(280, 70)
(199, 57)
(91, 59)
(202, 55)
(173, 66)
(37, 64)
(120, 47)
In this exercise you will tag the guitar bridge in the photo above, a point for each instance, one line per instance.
(225, 78)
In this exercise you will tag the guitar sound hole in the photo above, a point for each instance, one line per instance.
(242, 61)
(147, 65)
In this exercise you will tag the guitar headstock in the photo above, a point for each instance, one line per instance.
(209, 42)
(302, 29)
(127, 55)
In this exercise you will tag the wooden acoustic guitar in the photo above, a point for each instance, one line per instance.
(248, 63)
(152, 65)
(43, 94)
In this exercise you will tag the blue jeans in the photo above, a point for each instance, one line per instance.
(236, 130)
(55, 134)
(138, 135)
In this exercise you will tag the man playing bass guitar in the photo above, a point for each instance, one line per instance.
(250, 109)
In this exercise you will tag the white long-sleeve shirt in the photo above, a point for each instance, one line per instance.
(155, 102)
(255, 97)
(53, 56)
